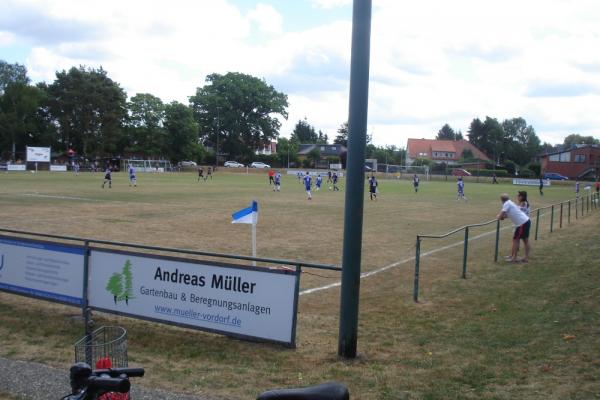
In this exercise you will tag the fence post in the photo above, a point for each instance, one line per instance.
(561, 215)
(587, 202)
(497, 240)
(85, 306)
(576, 209)
(582, 207)
(569, 213)
(551, 218)
(537, 223)
(417, 261)
(465, 253)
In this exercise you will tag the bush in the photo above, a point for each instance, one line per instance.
(500, 173)
(527, 173)
(535, 168)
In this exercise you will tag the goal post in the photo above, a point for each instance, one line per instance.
(404, 171)
(146, 165)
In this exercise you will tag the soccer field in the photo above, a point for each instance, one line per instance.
(176, 210)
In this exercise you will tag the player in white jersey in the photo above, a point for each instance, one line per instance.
(307, 185)
(132, 178)
(522, 225)
(277, 182)
(460, 186)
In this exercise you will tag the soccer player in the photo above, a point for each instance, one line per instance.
(416, 183)
(271, 177)
(522, 224)
(299, 176)
(132, 178)
(541, 186)
(208, 174)
(200, 173)
(577, 188)
(373, 187)
(334, 178)
(318, 182)
(308, 184)
(76, 168)
(329, 177)
(107, 178)
(461, 189)
(494, 179)
(277, 182)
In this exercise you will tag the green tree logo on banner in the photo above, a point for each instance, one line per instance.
(120, 285)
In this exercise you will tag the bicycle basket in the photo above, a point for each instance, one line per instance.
(105, 343)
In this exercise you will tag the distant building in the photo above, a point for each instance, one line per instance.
(326, 152)
(577, 162)
(441, 151)
(267, 150)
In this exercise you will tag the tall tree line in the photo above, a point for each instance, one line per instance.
(85, 110)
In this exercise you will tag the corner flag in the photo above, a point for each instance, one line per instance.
(247, 215)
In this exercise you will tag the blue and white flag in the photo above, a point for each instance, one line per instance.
(246, 215)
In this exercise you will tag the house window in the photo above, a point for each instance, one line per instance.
(554, 158)
(579, 157)
(422, 154)
(565, 157)
(333, 148)
(322, 148)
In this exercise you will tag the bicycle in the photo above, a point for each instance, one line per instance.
(88, 384)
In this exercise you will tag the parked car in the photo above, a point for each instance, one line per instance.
(460, 172)
(233, 164)
(555, 176)
(368, 169)
(258, 164)
(187, 164)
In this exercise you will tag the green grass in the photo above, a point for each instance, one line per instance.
(504, 333)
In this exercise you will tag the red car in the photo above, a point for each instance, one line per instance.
(460, 172)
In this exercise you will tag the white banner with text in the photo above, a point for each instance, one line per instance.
(239, 301)
(45, 270)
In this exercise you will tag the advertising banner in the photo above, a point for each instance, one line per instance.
(45, 270)
(530, 182)
(38, 154)
(16, 167)
(245, 302)
(58, 168)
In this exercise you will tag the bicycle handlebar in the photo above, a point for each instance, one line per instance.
(117, 372)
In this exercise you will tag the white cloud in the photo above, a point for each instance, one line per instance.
(432, 62)
(268, 19)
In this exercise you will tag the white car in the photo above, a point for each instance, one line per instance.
(188, 164)
(233, 164)
(258, 164)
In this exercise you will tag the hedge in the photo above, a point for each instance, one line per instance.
(500, 173)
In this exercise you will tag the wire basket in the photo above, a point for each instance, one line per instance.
(107, 343)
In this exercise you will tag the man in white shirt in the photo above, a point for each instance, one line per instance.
(522, 224)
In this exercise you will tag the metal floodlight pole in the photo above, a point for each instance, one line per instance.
(218, 132)
(355, 181)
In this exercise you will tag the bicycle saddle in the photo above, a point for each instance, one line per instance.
(324, 391)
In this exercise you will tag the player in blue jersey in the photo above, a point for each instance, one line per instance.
(307, 185)
(132, 178)
(461, 189)
(107, 178)
(277, 182)
(334, 178)
(318, 182)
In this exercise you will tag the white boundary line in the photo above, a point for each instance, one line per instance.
(406, 260)
(50, 196)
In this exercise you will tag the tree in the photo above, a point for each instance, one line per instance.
(574, 139)
(322, 138)
(304, 133)
(315, 156)
(467, 155)
(285, 148)
(115, 286)
(242, 108)
(11, 74)
(520, 141)
(145, 125)
(127, 292)
(487, 136)
(342, 137)
(89, 109)
(182, 133)
(19, 106)
(447, 133)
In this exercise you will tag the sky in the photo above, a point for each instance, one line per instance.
(432, 62)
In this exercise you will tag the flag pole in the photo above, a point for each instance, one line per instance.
(254, 242)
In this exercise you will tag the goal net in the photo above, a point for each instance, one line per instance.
(147, 165)
(404, 171)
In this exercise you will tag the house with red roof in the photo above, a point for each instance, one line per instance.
(441, 151)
